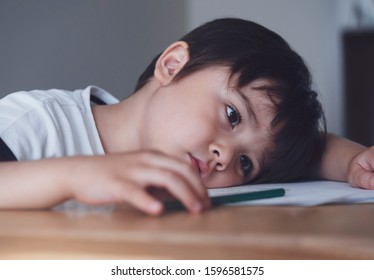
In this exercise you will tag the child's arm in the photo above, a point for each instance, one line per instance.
(100, 179)
(344, 160)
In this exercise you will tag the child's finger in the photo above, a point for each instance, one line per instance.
(366, 180)
(362, 173)
(175, 184)
(182, 168)
(140, 199)
(362, 178)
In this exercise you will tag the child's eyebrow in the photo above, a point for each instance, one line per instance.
(248, 105)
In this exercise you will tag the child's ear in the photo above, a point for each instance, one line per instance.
(171, 61)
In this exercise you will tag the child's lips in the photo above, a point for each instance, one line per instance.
(198, 165)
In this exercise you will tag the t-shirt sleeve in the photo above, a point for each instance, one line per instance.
(21, 128)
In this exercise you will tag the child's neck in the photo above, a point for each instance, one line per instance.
(118, 125)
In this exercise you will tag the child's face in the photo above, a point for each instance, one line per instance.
(210, 126)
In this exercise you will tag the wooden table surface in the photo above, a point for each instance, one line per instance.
(323, 232)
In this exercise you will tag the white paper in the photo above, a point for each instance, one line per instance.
(303, 194)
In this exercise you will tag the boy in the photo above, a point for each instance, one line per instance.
(230, 103)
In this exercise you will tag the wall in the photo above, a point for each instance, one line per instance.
(311, 28)
(71, 44)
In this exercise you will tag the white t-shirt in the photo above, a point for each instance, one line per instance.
(51, 123)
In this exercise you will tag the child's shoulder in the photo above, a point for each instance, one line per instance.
(62, 97)
(37, 97)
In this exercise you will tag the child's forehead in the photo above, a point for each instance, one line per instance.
(256, 84)
(259, 91)
(232, 79)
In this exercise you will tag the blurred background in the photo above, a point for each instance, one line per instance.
(71, 44)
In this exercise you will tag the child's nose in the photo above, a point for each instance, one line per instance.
(222, 155)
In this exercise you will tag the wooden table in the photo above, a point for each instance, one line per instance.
(323, 232)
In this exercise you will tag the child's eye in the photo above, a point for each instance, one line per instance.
(245, 164)
(233, 116)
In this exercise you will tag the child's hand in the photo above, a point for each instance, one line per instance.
(127, 177)
(361, 169)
